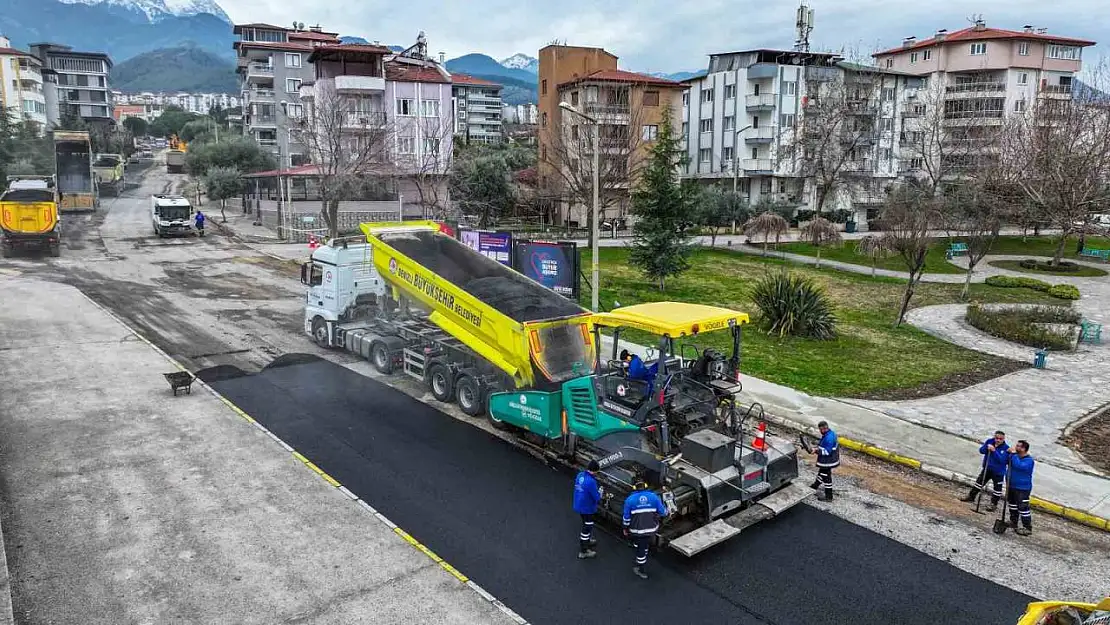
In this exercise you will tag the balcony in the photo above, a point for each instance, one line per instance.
(484, 108)
(256, 121)
(756, 165)
(975, 89)
(860, 166)
(597, 108)
(763, 70)
(1062, 92)
(364, 119)
(267, 141)
(861, 105)
(260, 95)
(760, 102)
(260, 71)
(759, 135)
(359, 84)
(913, 110)
(476, 98)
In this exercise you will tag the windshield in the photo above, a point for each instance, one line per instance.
(566, 351)
(28, 195)
(106, 161)
(173, 213)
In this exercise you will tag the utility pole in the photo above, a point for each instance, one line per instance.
(595, 231)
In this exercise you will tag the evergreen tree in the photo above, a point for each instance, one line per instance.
(665, 209)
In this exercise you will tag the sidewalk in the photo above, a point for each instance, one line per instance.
(125, 504)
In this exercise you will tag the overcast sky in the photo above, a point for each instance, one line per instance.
(667, 35)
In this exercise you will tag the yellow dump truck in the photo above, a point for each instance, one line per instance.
(76, 182)
(175, 156)
(1066, 613)
(108, 169)
(29, 215)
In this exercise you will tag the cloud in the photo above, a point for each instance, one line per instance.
(665, 35)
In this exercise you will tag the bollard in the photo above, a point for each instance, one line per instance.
(1040, 358)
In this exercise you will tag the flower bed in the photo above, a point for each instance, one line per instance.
(1050, 327)
(1061, 291)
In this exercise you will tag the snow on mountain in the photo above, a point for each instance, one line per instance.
(156, 10)
(522, 61)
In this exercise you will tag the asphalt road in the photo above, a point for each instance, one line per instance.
(504, 519)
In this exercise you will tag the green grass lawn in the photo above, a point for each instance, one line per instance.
(1043, 246)
(1082, 272)
(846, 253)
(870, 355)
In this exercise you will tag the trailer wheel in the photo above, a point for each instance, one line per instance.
(379, 355)
(55, 250)
(469, 394)
(320, 332)
(442, 383)
(6, 250)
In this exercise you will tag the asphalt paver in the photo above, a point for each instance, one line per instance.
(503, 518)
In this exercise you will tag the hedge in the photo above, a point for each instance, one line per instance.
(1061, 291)
(1019, 324)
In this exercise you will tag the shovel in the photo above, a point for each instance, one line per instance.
(1000, 524)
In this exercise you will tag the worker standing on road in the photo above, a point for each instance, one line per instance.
(828, 458)
(642, 511)
(200, 223)
(1021, 486)
(995, 452)
(587, 496)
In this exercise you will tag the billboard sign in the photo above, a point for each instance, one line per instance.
(495, 245)
(554, 265)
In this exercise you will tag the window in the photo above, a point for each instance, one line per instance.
(913, 57)
(765, 186)
(574, 98)
(651, 98)
(726, 154)
(1070, 53)
(685, 98)
(406, 107)
(649, 133)
(1023, 78)
(685, 130)
(294, 111)
(543, 120)
(431, 145)
(919, 109)
(729, 123)
(755, 152)
(926, 55)
(755, 121)
(890, 62)
(705, 125)
(543, 87)
(886, 124)
(292, 59)
(730, 92)
(292, 85)
(1019, 106)
(887, 94)
(406, 145)
(1023, 48)
(707, 95)
(787, 120)
(705, 154)
(978, 48)
(790, 87)
(429, 108)
(885, 154)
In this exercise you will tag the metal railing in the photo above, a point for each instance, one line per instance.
(975, 87)
(597, 108)
(260, 68)
(260, 95)
(365, 119)
(753, 100)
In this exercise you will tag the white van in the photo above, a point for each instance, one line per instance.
(170, 215)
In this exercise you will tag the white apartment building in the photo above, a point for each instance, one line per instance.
(155, 103)
(75, 83)
(740, 121)
(527, 114)
(21, 84)
(478, 109)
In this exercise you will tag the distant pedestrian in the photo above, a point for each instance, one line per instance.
(828, 458)
(200, 223)
(1021, 487)
(995, 452)
(643, 510)
(587, 496)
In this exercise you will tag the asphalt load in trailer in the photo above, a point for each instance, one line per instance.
(496, 285)
(504, 519)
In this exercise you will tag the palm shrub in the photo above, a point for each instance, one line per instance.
(794, 305)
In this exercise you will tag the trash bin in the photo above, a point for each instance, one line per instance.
(850, 227)
(1040, 358)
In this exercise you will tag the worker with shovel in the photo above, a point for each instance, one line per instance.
(828, 458)
(1020, 488)
(995, 452)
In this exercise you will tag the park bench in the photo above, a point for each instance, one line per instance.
(1103, 255)
(956, 249)
(1090, 332)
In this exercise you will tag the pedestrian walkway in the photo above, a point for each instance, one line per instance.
(125, 504)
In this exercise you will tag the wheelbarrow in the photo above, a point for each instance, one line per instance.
(180, 380)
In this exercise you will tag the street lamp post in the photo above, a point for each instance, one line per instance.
(736, 167)
(595, 268)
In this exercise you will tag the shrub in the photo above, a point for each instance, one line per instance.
(1061, 291)
(1020, 324)
(1064, 291)
(794, 305)
(1048, 267)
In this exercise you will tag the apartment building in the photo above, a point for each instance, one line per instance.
(21, 84)
(272, 66)
(744, 123)
(525, 114)
(155, 103)
(477, 106)
(75, 83)
(627, 108)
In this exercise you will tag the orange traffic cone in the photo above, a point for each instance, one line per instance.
(760, 442)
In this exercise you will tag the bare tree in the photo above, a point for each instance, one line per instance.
(1059, 153)
(767, 225)
(820, 232)
(974, 210)
(430, 164)
(874, 247)
(910, 214)
(348, 141)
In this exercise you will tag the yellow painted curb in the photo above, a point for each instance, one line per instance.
(879, 452)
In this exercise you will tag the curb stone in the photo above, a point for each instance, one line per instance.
(1043, 505)
(7, 610)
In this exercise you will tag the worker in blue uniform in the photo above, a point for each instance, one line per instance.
(1021, 486)
(199, 218)
(637, 370)
(587, 496)
(643, 510)
(994, 452)
(828, 458)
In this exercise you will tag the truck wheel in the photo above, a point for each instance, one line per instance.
(55, 250)
(320, 332)
(380, 356)
(6, 250)
(469, 394)
(442, 382)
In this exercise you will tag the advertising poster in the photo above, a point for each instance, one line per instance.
(495, 245)
(554, 265)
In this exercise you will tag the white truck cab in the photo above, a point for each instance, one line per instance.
(171, 214)
(342, 285)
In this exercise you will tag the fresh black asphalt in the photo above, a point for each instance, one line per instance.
(503, 518)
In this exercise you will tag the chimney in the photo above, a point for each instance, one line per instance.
(442, 58)
(941, 34)
(1028, 28)
(980, 25)
(909, 41)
